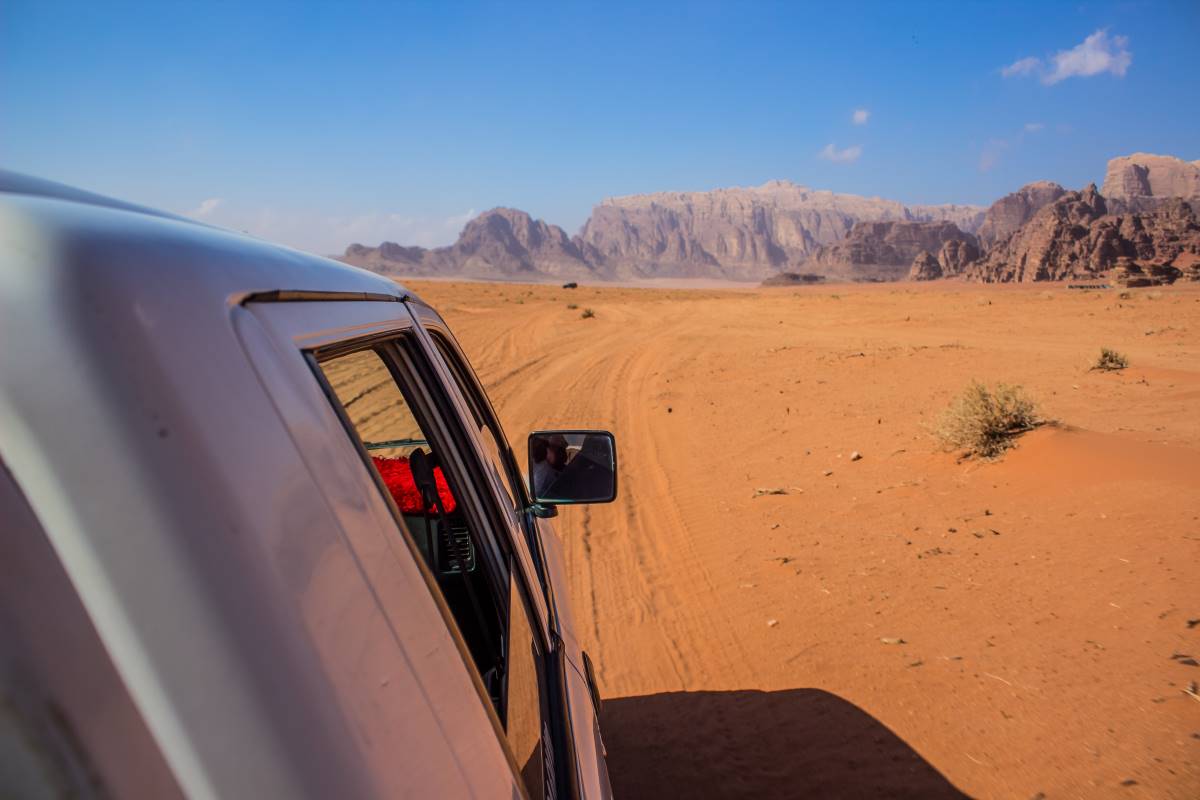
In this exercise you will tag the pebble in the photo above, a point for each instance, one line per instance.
(855, 456)
(771, 623)
(892, 640)
(827, 473)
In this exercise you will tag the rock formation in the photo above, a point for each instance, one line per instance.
(1010, 212)
(742, 233)
(886, 250)
(1040, 232)
(968, 219)
(501, 243)
(1141, 182)
(793, 279)
(925, 267)
(1076, 237)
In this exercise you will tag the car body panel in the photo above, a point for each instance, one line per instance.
(215, 529)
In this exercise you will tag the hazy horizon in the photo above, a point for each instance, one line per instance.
(318, 126)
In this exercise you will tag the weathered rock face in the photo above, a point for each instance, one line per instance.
(1076, 237)
(1012, 211)
(499, 243)
(1133, 180)
(742, 234)
(886, 250)
(968, 219)
(925, 267)
(956, 254)
(1051, 246)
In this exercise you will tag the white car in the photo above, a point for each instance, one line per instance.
(263, 536)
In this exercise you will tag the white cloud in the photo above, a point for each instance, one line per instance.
(328, 234)
(1021, 67)
(860, 116)
(1033, 127)
(845, 156)
(1097, 54)
(206, 208)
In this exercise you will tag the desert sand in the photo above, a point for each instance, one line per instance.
(903, 625)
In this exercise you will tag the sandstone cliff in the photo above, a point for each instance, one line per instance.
(925, 267)
(1077, 237)
(1010, 212)
(501, 243)
(741, 233)
(968, 219)
(886, 250)
(1140, 182)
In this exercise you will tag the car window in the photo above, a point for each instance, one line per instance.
(381, 403)
(494, 444)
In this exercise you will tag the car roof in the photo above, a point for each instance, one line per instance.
(69, 241)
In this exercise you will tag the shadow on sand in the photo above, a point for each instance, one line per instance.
(795, 743)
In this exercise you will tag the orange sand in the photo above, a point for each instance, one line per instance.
(739, 641)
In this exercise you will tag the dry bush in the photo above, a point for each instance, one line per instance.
(587, 314)
(1110, 360)
(983, 421)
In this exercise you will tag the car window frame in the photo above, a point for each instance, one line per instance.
(530, 547)
(425, 386)
(470, 384)
(292, 328)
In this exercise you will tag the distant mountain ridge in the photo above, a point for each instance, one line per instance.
(738, 233)
(1040, 232)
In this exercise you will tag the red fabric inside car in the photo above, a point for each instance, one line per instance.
(397, 476)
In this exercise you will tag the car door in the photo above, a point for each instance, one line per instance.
(392, 453)
(576, 694)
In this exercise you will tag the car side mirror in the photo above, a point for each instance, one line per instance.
(572, 467)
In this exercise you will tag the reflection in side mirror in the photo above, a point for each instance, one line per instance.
(572, 467)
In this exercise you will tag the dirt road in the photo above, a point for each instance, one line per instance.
(902, 625)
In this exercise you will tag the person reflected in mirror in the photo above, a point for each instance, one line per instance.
(549, 456)
(588, 476)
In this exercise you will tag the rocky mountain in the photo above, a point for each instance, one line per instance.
(1145, 215)
(967, 219)
(925, 267)
(1077, 237)
(886, 250)
(741, 233)
(1010, 212)
(1142, 181)
(501, 243)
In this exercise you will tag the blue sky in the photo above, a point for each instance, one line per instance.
(320, 124)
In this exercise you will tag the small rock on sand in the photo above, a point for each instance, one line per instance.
(771, 623)
(892, 640)
(855, 456)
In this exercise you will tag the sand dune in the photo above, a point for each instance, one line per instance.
(908, 625)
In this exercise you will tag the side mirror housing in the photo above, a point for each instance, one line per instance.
(572, 467)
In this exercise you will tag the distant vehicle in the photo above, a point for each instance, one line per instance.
(571, 285)
(263, 536)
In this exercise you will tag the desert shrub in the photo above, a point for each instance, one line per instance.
(572, 306)
(983, 421)
(1110, 360)
(587, 314)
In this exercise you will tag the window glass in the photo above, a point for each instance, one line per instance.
(410, 468)
(494, 445)
(493, 616)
